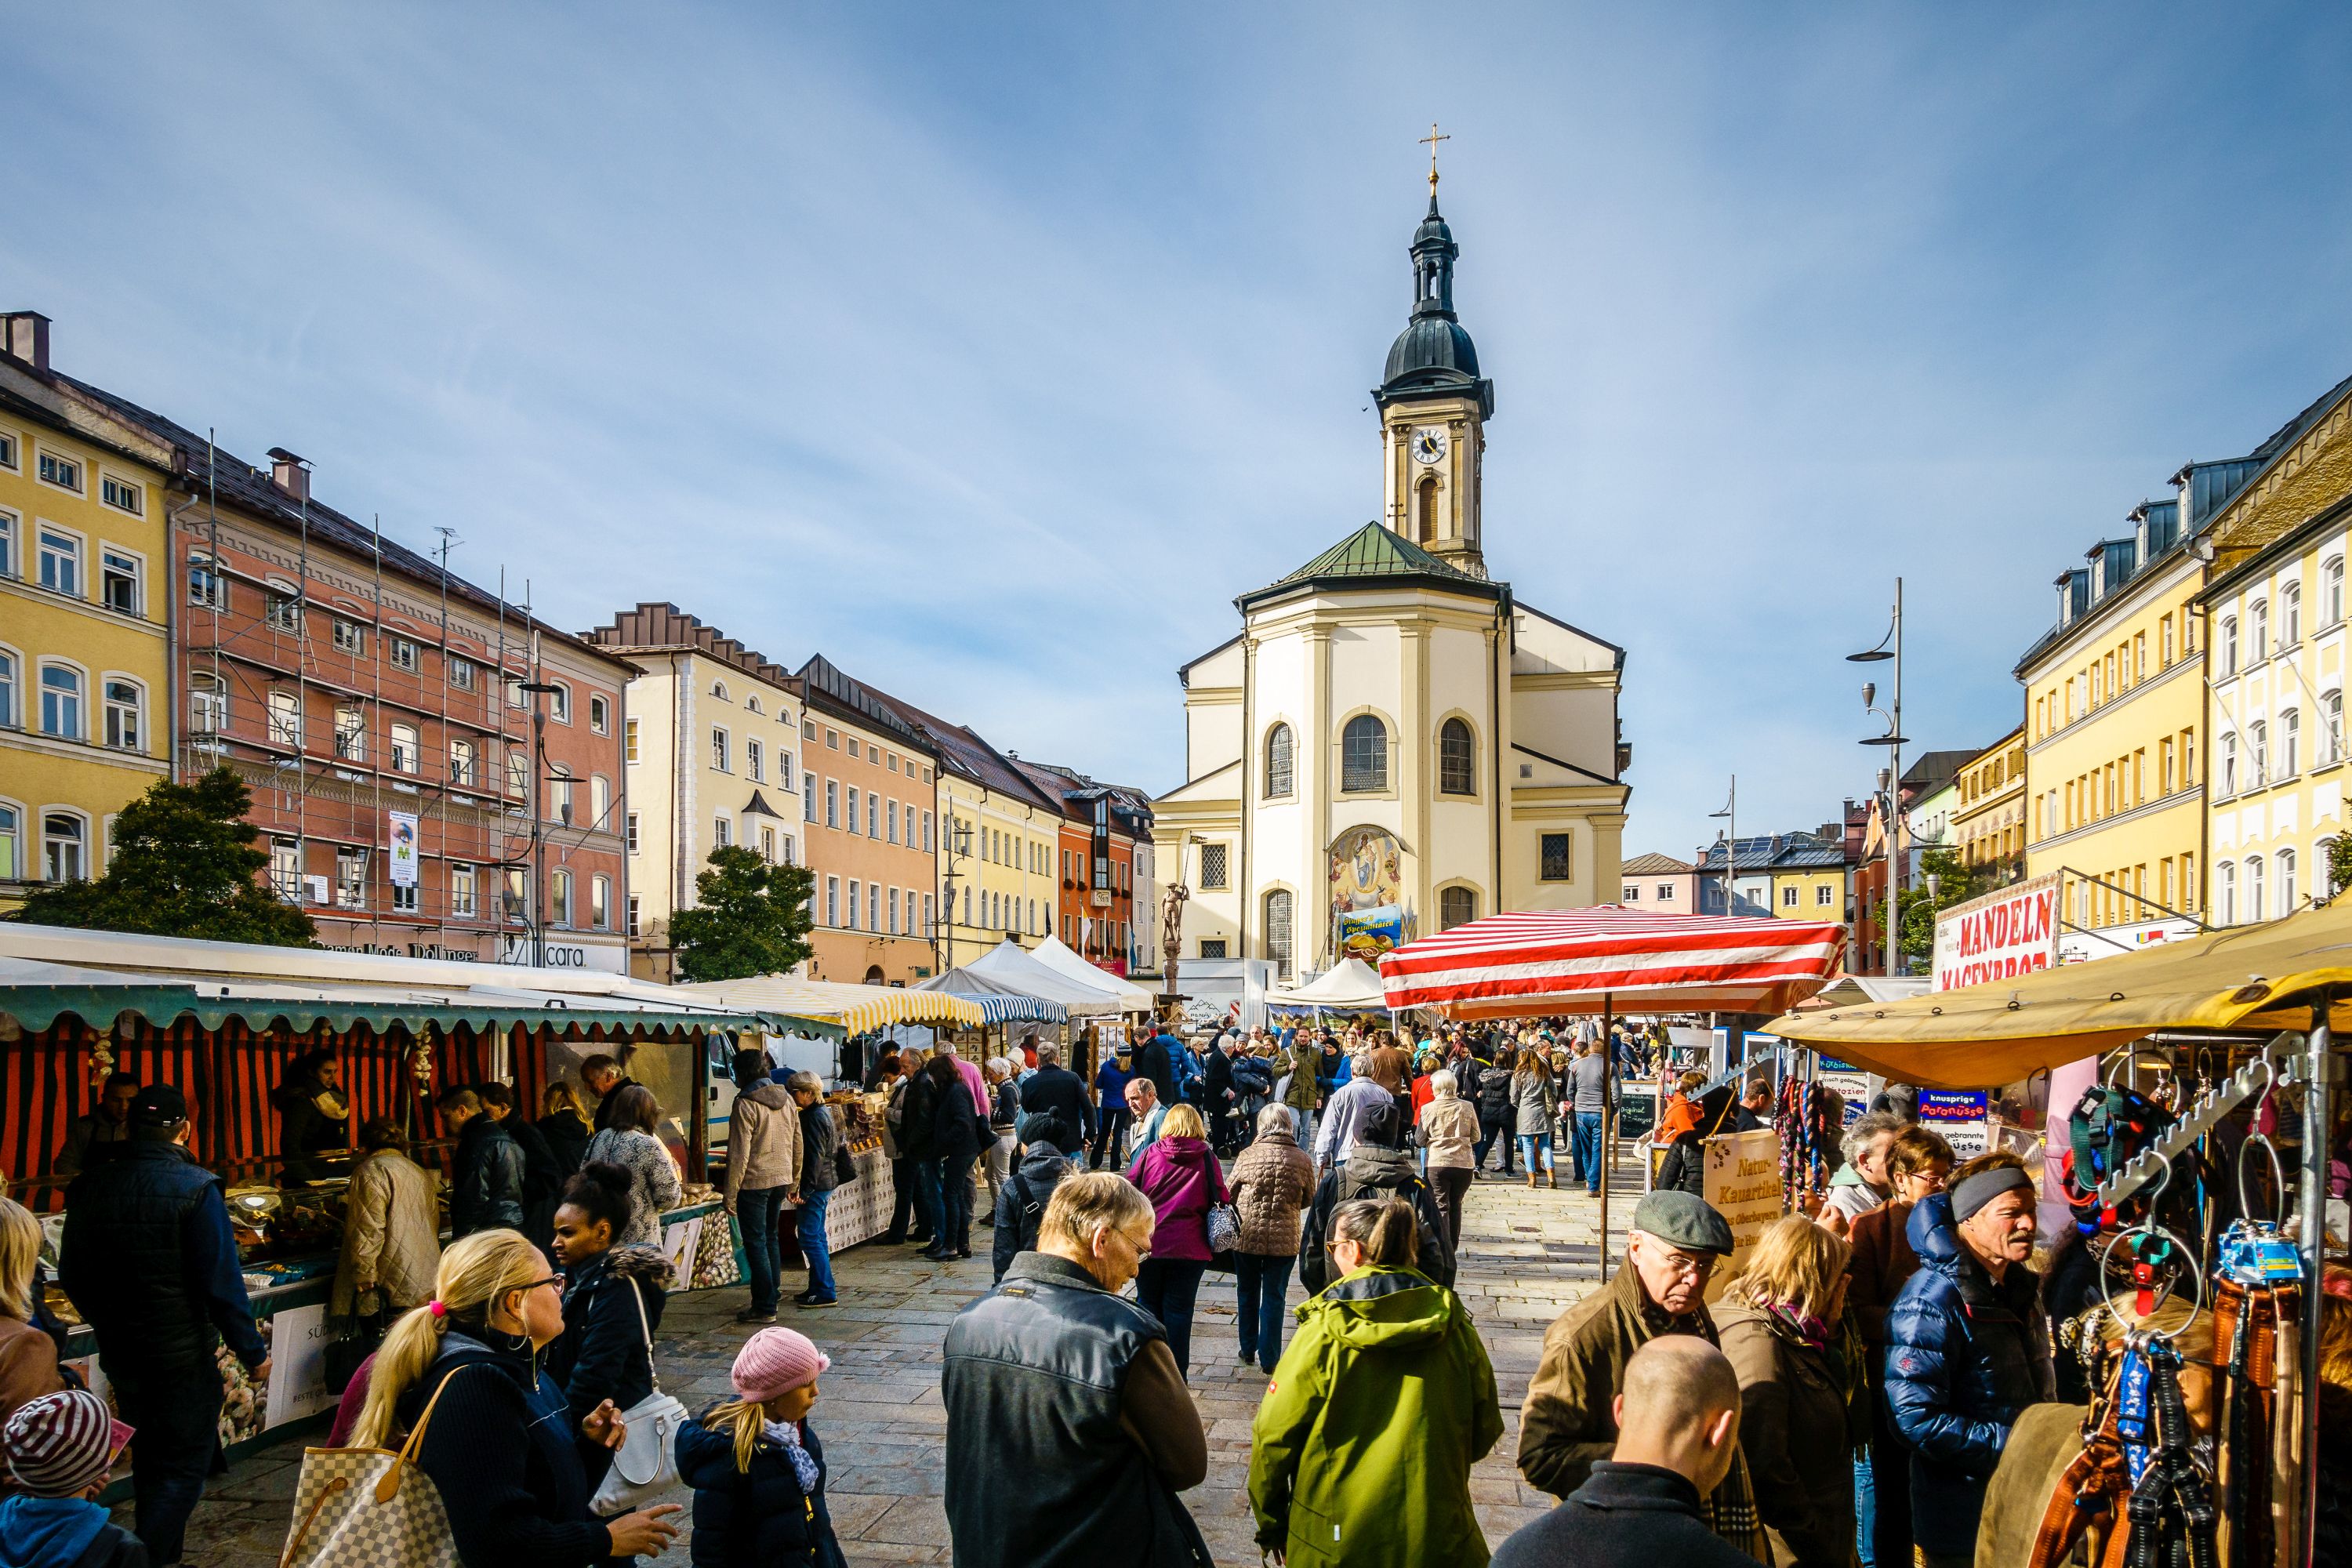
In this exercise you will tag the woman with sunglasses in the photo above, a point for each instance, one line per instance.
(1917, 1165)
(503, 1447)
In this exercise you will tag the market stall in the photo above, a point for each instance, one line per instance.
(1607, 961)
(1096, 1008)
(1350, 988)
(851, 1018)
(224, 1023)
(1066, 962)
(2211, 1100)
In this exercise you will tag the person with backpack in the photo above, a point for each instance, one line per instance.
(755, 1464)
(1026, 1192)
(1497, 1119)
(1374, 1170)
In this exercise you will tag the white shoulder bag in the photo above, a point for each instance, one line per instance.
(646, 1464)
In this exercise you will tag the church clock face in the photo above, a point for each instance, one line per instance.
(1428, 445)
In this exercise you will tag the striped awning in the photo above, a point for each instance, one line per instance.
(859, 1009)
(1625, 959)
(1020, 1009)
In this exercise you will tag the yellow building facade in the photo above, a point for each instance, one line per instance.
(86, 691)
(1989, 819)
(2276, 605)
(2114, 736)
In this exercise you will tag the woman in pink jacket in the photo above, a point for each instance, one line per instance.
(1179, 1173)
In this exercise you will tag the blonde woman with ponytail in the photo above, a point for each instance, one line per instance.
(502, 1446)
(1360, 1454)
(28, 1357)
(755, 1464)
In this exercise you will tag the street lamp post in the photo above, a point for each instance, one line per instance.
(1890, 646)
(1730, 814)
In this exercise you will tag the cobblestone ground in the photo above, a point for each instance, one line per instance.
(1524, 1256)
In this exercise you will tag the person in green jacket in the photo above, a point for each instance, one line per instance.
(1361, 1450)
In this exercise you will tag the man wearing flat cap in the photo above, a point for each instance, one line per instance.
(1967, 1348)
(1568, 1423)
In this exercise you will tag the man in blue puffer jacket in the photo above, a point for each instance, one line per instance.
(1967, 1347)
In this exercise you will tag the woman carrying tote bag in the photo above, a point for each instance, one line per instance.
(458, 1382)
(612, 1301)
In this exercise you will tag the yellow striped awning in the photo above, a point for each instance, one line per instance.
(856, 1008)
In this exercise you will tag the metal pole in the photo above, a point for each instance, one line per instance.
(1608, 1125)
(1895, 803)
(2318, 1117)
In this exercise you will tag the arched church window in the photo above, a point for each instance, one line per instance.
(1456, 907)
(1426, 513)
(1363, 755)
(1278, 931)
(1279, 771)
(1453, 758)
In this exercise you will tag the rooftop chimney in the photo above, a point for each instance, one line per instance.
(24, 335)
(291, 473)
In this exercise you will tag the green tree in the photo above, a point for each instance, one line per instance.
(183, 865)
(2339, 862)
(749, 918)
(1955, 884)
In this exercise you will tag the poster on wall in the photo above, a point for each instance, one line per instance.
(401, 847)
(1850, 1082)
(1999, 936)
(1743, 1183)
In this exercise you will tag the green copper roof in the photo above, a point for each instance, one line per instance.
(1373, 554)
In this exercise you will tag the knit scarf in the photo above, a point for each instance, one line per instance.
(1731, 1513)
(788, 1433)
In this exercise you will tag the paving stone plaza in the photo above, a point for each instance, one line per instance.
(1524, 1256)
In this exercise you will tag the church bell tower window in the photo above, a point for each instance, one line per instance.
(1455, 759)
(1425, 511)
(1279, 771)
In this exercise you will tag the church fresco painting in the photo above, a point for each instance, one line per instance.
(1367, 878)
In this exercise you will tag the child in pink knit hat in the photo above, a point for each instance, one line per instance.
(755, 1464)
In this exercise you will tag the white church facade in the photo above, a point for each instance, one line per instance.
(1394, 744)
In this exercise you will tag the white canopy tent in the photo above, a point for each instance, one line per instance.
(1013, 968)
(1352, 986)
(1062, 958)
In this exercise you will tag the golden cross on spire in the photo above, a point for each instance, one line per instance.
(1431, 142)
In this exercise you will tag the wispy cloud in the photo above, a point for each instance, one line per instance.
(994, 350)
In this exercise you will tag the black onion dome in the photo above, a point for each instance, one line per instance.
(1431, 349)
(1433, 356)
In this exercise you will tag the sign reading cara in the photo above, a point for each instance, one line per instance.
(1999, 936)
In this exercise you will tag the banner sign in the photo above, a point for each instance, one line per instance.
(1742, 1180)
(402, 853)
(1937, 1106)
(1999, 936)
(1852, 1083)
(1368, 934)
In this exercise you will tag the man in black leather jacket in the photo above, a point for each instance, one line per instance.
(149, 1261)
(486, 1192)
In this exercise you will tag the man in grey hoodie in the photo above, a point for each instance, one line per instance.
(763, 1156)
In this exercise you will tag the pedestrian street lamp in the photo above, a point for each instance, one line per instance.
(959, 848)
(1730, 815)
(1890, 646)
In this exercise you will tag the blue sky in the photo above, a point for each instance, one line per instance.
(992, 350)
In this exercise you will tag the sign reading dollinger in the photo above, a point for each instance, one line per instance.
(1999, 936)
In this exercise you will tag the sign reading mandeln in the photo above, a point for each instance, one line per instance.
(1999, 936)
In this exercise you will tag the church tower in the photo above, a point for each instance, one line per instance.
(1434, 410)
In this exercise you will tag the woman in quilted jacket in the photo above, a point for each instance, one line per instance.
(1179, 1173)
(630, 1142)
(1273, 1180)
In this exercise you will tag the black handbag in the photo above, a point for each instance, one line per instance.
(340, 1358)
(845, 1165)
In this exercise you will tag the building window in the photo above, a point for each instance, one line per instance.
(558, 897)
(60, 562)
(1825, 896)
(464, 764)
(2228, 767)
(1632, 894)
(8, 535)
(350, 877)
(1788, 896)
(120, 578)
(462, 895)
(405, 901)
(1456, 907)
(1454, 770)
(718, 749)
(873, 814)
(927, 833)
(890, 824)
(284, 611)
(559, 796)
(600, 803)
(630, 831)
(206, 586)
(832, 803)
(403, 653)
(2255, 906)
(2258, 754)
(1212, 947)
(2290, 743)
(785, 770)
(1363, 755)
(719, 689)
(8, 459)
(461, 674)
(351, 735)
(832, 740)
(208, 704)
(1212, 865)
(559, 702)
(2331, 592)
(64, 847)
(599, 902)
(808, 797)
(125, 707)
(1278, 762)
(833, 901)
(515, 696)
(404, 750)
(891, 911)
(767, 844)
(7, 692)
(1278, 931)
(634, 929)
(600, 715)
(2290, 614)
(350, 636)
(1558, 866)
(61, 698)
(629, 740)
(722, 833)
(518, 773)
(2229, 645)
(2331, 715)
(753, 761)
(120, 495)
(2284, 861)
(2258, 630)
(61, 471)
(516, 896)
(286, 868)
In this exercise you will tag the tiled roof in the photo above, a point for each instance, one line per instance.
(653, 627)
(964, 752)
(1776, 852)
(820, 677)
(1653, 865)
(1373, 554)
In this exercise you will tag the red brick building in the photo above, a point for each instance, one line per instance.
(385, 714)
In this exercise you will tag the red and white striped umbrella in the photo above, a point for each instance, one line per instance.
(1626, 960)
